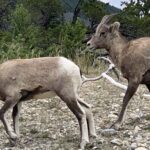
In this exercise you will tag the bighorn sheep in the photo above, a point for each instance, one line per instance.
(131, 57)
(23, 79)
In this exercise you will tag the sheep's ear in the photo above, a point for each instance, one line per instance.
(114, 27)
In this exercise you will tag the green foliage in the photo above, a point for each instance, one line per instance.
(66, 39)
(26, 37)
(20, 19)
(35, 28)
(15, 50)
(136, 15)
(22, 29)
(71, 37)
(23, 37)
(46, 12)
(94, 10)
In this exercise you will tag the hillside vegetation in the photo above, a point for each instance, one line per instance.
(33, 28)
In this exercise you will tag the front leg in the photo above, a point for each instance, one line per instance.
(15, 116)
(132, 87)
(9, 102)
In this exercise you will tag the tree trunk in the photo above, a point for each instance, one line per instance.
(76, 12)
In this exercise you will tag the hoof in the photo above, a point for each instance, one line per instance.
(83, 144)
(13, 136)
(18, 135)
(92, 138)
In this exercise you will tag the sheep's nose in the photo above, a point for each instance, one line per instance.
(88, 43)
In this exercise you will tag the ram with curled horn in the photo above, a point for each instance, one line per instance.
(131, 57)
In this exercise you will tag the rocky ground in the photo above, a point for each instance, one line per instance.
(49, 125)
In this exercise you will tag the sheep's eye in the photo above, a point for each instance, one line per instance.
(102, 33)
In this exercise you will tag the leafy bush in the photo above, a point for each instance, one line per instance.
(71, 36)
(26, 39)
(20, 20)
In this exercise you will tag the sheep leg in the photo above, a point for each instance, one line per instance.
(132, 87)
(80, 114)
(83, 103)
(15, 116)
(89, 115)
(9, 102)
(91, 123)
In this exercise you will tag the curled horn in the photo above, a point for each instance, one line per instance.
(105, 20)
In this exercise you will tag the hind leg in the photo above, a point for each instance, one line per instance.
(15, 116)
(79, 112)
(90, 119)
(91, 124)
(70, 99)
(9, 102)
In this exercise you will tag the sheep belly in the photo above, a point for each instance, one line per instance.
(43, 95)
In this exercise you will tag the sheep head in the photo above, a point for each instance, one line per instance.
(104, 33)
